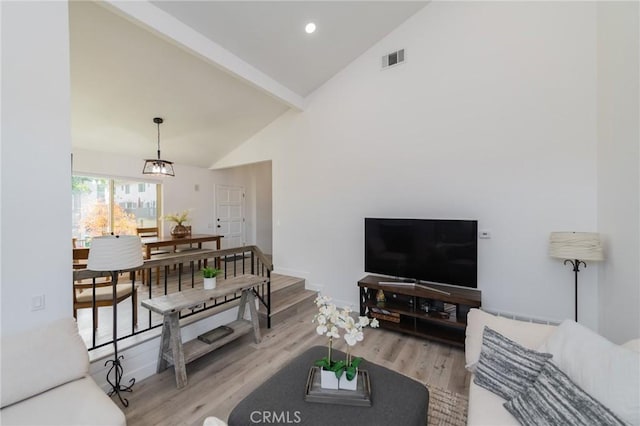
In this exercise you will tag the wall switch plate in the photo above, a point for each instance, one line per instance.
(484, 234)
(37, 302)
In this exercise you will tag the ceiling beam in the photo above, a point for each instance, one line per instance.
(171, 29)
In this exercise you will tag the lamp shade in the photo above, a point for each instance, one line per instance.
(575, 245)
(115, 253)
(158, 168)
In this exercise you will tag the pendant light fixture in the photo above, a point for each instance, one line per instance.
(158, 167)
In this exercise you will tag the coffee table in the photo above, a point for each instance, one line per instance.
(396, 399)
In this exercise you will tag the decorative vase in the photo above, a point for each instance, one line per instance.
(210, 283)
(328, 379)
(346, 384)
(179, 231)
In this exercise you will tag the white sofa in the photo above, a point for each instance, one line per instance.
(588, 352)
(45, 380)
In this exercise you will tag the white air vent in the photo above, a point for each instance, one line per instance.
(393, 58)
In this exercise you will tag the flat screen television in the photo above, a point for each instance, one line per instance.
(434, 250)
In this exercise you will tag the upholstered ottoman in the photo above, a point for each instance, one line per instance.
(396, 399)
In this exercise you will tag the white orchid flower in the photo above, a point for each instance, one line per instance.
(330, 320)
(353, 336)
(322, 300)
(349, 323)
(333, 333)
(363, 321)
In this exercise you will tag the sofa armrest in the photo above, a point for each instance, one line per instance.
(634, 345)
(41, 359)
(77, 403)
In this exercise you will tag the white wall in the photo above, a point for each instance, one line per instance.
(36, 164)
(618, 168)
(492, 118)
(264, 206)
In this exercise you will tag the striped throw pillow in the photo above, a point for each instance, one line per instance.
(554, 399)
(507, 368)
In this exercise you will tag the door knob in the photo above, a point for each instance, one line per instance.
(219, 226)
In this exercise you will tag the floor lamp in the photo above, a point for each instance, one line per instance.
(116, 253)
(575, 248)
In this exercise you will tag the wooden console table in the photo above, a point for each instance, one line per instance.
(172, 350)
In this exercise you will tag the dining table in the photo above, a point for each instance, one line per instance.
(151, 243)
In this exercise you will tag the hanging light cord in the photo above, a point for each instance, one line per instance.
(158, 140)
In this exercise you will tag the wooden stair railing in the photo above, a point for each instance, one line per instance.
(256, 264)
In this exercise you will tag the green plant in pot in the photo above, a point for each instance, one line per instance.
(339, 374)
(209, 274)
(179, 231)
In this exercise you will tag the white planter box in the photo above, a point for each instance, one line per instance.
(210, 283)
(328, 379)
(348, 384)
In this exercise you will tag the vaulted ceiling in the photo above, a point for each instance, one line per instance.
(217, 72)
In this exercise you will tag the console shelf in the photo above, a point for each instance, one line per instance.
(431, 311)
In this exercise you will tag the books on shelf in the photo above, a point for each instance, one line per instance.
(383, 314)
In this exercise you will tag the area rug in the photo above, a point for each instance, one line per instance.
(446, 408)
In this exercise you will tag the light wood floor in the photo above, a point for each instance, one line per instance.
(221, 379)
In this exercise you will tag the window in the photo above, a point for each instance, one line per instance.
(142, 187)
(102, 205)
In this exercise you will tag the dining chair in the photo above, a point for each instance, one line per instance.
(83, 291)
(150, 232)
(186, 247)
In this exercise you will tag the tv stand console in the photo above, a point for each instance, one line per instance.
(431, 311)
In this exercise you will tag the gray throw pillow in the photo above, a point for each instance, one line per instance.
(507, 368)
(554, 399)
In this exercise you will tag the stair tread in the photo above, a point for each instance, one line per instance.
(286, 300)
(283, 282)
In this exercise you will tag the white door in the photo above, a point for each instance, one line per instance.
(230, 215)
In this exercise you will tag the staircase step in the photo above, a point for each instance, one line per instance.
(288, 302)
(281, 282)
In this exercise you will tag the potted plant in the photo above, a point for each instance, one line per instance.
(179, 231)
(330, 320)
(353, 334)
(209, 274)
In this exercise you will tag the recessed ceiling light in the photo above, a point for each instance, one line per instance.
(310, 28)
